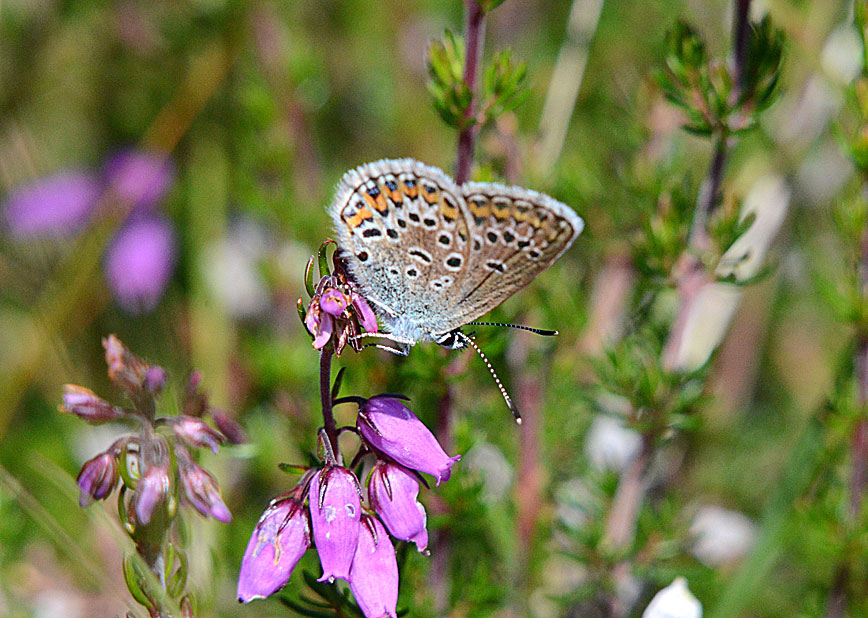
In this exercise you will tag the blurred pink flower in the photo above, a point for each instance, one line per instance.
(139, 263)
(140, 259)
(57, 205)
(139, 178)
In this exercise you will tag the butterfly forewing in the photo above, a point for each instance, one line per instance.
(403, 229)
(434, 256)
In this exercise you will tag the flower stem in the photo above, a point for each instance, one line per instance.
(325, 392)
(474, 33)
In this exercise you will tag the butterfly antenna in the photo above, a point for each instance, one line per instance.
(469, 341)
(538, 331)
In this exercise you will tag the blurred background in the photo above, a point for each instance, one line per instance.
(164, 173)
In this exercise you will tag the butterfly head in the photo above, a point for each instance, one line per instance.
(453, 340)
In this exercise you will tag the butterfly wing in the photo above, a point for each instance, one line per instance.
(404, 232)
(515, 234)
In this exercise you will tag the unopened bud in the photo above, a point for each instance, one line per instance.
(85, 404)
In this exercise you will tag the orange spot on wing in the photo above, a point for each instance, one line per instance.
(360, 217)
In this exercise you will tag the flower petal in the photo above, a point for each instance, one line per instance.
(278, 542)
(391, 428)
(335, 510)
(393, 491)
(374, 575)
(139, 263)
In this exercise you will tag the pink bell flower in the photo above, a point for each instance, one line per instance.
(391, 428)
(335, 510)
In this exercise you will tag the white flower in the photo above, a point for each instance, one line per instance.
(231, 270)
(610, 445)
(493, 467)
(721, 535)
(674, 601)
(842, 54)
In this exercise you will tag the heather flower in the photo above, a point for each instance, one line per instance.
(86, 405)
(141, 256)
(201, 491)
(391, 428)
(56, 205)
(195, 432)
(125, 369)
(392, 491)
(97, 478)
(230, 429)
(139, 178)
(335, 510)
(278, 542)
(155, 379)
(365, 314)
(320, 325)
(374, 574)
(333, 301)
(335, 312)
(151, 490)
(674, 601)
(139, 263)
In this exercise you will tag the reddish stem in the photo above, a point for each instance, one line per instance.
(325, 393)
(474, 33)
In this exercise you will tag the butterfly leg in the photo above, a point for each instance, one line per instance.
(402, 349)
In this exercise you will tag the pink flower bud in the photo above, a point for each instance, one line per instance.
(85, 404)
(195, 432)
(228, 427)
(390, 427)
(139, 263)
(278, 542)
(335, 509)
(58, 205)
(201, 491)
(392, 492)
(155, 379)
(151, 490)
(97, 478)
(125, 369)
(374, 575)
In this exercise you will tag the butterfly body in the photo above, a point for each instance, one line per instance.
(432, 255)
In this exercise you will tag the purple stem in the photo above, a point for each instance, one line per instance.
(325, 393)
(474, 33)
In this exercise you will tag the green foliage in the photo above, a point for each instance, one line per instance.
(503, 85)
(706, 90)
(661, 402)
(451, 95)
(665, 226)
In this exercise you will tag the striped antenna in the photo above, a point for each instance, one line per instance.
(469, 341)
(538, 331)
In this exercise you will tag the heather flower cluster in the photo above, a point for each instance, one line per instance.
(155, 467)
(348, 524)
(139, 259)
(336, 309)
(153, 463)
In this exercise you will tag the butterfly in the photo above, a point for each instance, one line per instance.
(433, 256)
